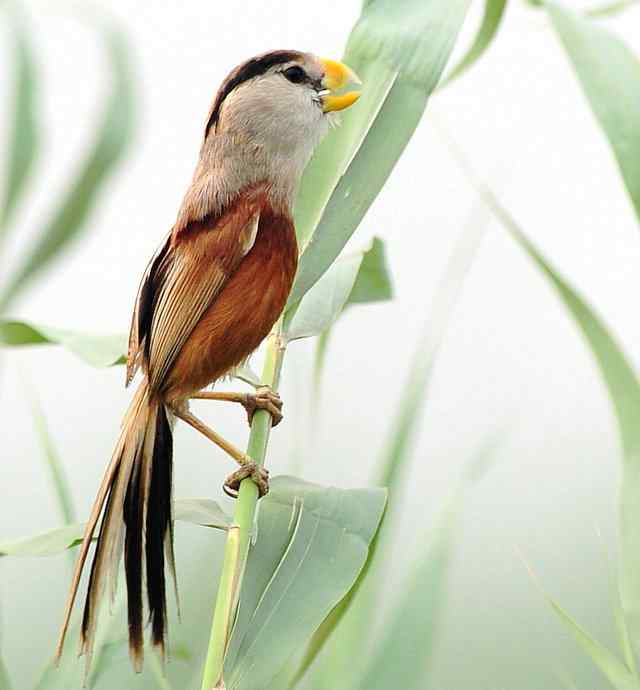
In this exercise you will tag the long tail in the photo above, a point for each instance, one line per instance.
(135, 494)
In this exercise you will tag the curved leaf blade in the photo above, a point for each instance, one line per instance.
(620, 677)
(401, 657)
(609, 74)
(324, 303)
(336, 151)
(360, 616)
(24, 137)
(5, 680)
(609, 9)
(45, 544)
(57, 472)
(318, 543)
(112, 141)
(407, 44)
(397, 453)
(373, 282)
(96, 350)
(489, 26)
(622, 386)
(197, 511)
(201, 511)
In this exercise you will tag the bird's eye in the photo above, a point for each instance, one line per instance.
(295, 74)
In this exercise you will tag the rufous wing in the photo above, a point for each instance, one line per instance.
(183, 279)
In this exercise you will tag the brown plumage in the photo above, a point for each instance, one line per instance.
(208, 298)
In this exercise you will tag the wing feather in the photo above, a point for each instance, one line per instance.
(183, 279)
(142, 311)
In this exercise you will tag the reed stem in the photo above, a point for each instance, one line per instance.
(239, 534)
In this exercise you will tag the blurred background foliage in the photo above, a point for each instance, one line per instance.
(390, 629)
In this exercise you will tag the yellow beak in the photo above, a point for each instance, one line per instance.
(339, 78)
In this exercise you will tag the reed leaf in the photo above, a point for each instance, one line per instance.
(401, 657)
(24, 133)
(609, 9)
(622, 386)
(400, 51)
(373, 282)
(96, 350)
(491, 19)
(45, 544)
(54, 464)
(359, 613)
(111, 142)
(5, 680)
(318, 541)
(616, 672)
(609, 74)
(197, 511)
(324, 302)
(356, 278)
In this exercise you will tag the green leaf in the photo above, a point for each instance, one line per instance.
(319, 360)
(373, 282)
(5, 680)
(201, 511)
(609, 74)
(399, 50)
(395, 461)
(622, 629)
(96, 350)
(324, 632)
(245, 373)
(491, 20)
(23, 146)
(408, 417)
(197, 511)
(623, 388)
(402, 655)
(324, 303)
(54, 464)
(316, 543)
(610, 9)
(611, 667)
(111, 142)
(332, 156)
(45, 544)
(360, 610)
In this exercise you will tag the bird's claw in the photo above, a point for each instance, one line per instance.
(259, 475)
(264, 399)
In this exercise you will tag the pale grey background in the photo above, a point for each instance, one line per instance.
(512, 359)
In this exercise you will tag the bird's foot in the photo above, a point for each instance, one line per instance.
(259, 475)
(263, 399)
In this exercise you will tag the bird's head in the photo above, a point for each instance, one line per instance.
(272, 110)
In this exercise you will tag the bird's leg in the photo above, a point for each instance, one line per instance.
(248, 467)
(263, 399)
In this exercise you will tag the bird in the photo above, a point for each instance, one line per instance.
(209, 296)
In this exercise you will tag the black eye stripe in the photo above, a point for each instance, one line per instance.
(248, 70)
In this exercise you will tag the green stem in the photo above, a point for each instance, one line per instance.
(239, 534)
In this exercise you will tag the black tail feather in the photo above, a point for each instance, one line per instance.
(159, 527)
(135, 502)
(133, 511)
